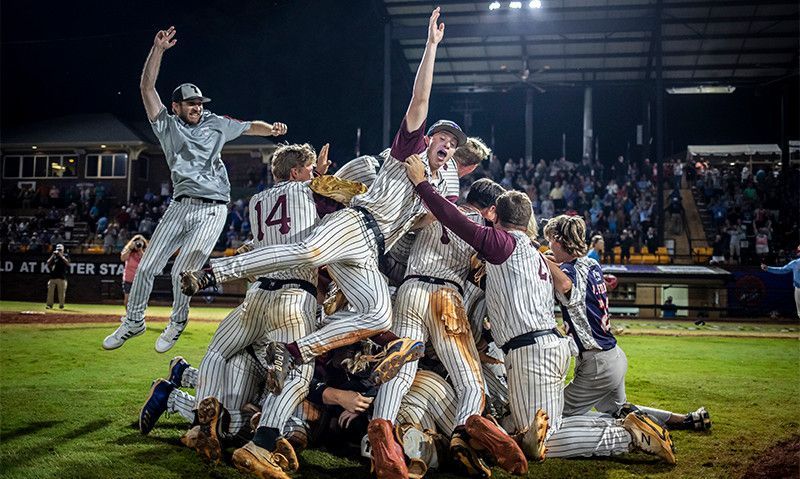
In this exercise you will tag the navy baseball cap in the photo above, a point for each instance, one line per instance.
(450, 127)
(188, 91)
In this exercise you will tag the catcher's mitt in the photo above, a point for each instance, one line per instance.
(336, 188)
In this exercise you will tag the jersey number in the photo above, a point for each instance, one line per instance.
(542, 270)
(272, 220)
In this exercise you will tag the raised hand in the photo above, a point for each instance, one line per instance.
(279, 129)
(165, 39)
(322, 160)
(435, 32)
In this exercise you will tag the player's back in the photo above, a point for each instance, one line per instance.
(284, 214)
(519, 292)
(586, 310)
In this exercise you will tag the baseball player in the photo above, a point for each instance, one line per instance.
(429, 305)
(519, 299)
(192, 139)
(790, 267)
(600, 367)
(351, 241)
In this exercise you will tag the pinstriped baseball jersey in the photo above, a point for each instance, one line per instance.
(439, 253)
(452, 189)
(284, 214)
(363, 169)
(392, 201)
(586, 310)
(519, 292)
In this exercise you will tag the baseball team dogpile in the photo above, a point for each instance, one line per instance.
(383, 319)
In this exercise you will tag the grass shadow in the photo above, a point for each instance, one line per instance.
(86, 429)
(27, 429)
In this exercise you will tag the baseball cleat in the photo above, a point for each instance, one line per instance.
(124, 332)
(189, 438)
(282, 362)
(698, 420)
(176, 368)
(500, 445)
(255, 460)
(532, 439)
(194, 281)
(169, 336)
(463, 454)
(393, 357)
(649, 436)
(155, 405)
(210, 417)
(387, 454)
(284, 449)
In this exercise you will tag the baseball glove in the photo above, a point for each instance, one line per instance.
(336, 188)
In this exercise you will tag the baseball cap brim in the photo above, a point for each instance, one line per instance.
(461, 137)
(202, 99)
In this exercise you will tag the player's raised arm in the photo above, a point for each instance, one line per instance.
(261, 128)
(164, 40)
(418, 108)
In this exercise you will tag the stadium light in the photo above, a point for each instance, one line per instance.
(515, 5)
(494, 6)
(702, 89)
(34, 147)
(535, 4)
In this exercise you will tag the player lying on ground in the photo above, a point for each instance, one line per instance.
(192, 139)
(351, 241)
(600, 365)
(520, 303)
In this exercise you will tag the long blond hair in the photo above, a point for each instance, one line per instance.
(570, 231)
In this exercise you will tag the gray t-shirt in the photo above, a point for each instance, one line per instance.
(193, 153)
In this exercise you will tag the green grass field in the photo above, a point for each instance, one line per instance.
(69, 408)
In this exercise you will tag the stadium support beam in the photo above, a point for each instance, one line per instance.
(659, 85)
(529, 125)
(387, 83)
(533, 27)
(587, 122)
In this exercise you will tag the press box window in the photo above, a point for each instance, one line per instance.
(106, 166)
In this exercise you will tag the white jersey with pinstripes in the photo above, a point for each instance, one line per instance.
(519, 292)
(392, 201)
(284, 214)
(363, 169)
(439, 253)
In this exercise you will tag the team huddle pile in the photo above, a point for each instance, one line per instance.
(435, 344)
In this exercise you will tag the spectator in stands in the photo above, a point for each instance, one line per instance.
(57, 264)
(625, 243)
(669, 309)
(675, 210)
(762, 243)
(677, 174)
(57, 238)
(131, 255)
(69, 222)
(791, 267)
(718, 252)
(651, 240)
(110, 239)
(597, 246)
(736, 233)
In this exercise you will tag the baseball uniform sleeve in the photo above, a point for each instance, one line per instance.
(574, 297)
(494, 245)
(160, 123)
(231, 127)
(408, 143)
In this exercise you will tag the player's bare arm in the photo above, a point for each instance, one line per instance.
(418, 108)
(164, 40)
(262, 128)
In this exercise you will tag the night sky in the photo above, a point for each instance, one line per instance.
(317, 66)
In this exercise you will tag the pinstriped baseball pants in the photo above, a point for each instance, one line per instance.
(283, 315)
(189, 226)
(414, 319)
(341, 241)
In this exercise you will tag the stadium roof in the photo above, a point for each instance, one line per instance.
(588, 42)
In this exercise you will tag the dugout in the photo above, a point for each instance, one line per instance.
(697, 291)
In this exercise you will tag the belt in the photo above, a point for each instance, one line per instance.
(269, 284)
(372, 225)
(433, 280)
(203, 200)
(527, 339)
